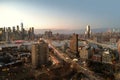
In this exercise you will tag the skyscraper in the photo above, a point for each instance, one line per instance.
(21, 26)
(39, 54)
(32, 33)
(13, 28)
(48, 34)
(118, 46)
(17, 28)
(43, 52)
(9, 29)
(74, 44)
(88, 32)
(1, 31)
(7, 35)
(22, 31)
(35, 50)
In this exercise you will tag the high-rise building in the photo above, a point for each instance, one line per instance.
(1, 32)
(33, 30)
(14, 33)
(21, 26)
(7, 35)
(35, 50)
(118, 46)
(39, 54)
(22, 31)
(9, 29)
(43, 52)
(13, 28)
(74, 44)
(88, 32)
(29, 33)
(113, 40)
(48, 34)
(17, 28)
(32, 33)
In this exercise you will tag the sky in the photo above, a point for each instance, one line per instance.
(60, 14)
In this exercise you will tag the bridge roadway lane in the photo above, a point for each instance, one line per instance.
(90, 74)
(103, 45)
(54, 59)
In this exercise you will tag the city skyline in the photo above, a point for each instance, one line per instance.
(63, 14)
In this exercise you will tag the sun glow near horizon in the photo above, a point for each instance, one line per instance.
(62, 14)
(10, 16)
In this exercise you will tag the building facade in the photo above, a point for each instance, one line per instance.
(14, 33)
(74, 44)
(40, 54)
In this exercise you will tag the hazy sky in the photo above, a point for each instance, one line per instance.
(60, 14)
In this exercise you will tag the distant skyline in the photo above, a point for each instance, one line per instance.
(60, 14)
